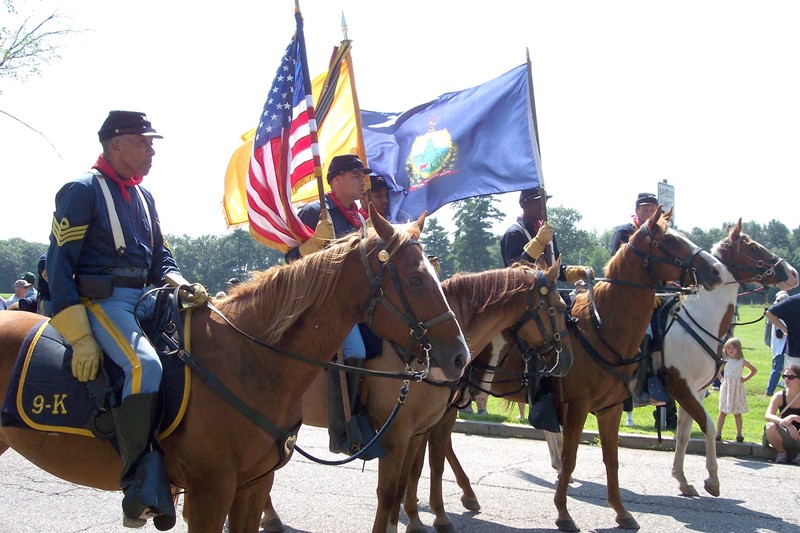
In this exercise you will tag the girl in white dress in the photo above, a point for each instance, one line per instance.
(732, 395)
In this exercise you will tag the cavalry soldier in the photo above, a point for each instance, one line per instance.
(346, 179)
(106, 246)
(645, 206)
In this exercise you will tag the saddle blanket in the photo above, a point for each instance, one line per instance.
(44, 395)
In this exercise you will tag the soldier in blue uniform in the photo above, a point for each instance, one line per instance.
(346, 178)
(106, 246)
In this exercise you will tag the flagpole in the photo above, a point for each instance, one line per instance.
(362, 151)
(317, 168)
(538, 155)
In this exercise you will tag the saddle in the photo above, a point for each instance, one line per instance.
(44, 395)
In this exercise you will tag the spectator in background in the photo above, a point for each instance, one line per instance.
(785, 315)
(777, 343)
(21, 288)
(732, 394)
(783, 417)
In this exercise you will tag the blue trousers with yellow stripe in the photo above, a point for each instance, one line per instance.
(115, 330)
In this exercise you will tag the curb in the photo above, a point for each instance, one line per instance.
(626, 440)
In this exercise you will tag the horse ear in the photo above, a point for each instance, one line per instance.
(655, 217)
(553, 272)
(734, 232)
(421, 221)
(382, 227)
(668, 214)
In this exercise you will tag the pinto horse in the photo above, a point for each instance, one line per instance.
(484, 304)
(693, 341)
(220, 455)
(605, 349)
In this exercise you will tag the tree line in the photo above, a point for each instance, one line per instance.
(473, 247)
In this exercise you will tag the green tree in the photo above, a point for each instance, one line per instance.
(576, 246)
(475, 247)
(435, 241)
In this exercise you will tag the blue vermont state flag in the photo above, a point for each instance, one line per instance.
(463, 144)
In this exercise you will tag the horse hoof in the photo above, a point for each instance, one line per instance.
(689, 491)
(712, 489)
(567, 524)
(628, 522)
(272, 525)
(444, 528)
(470, 504)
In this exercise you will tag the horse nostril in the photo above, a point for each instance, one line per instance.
(459, 362)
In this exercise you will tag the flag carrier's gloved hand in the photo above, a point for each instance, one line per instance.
(73, 324)
(575, 273)
(322, 234)
(536, 245)
(191, 294)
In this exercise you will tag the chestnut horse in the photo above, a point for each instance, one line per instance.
(693, 343)
(606, 352)
(485, 304)
(220, 456)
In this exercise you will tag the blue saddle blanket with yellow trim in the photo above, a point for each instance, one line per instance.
(44, 395)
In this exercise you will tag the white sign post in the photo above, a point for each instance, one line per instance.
(666, 197)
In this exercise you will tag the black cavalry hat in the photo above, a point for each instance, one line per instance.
(377, 182)
(646, 198)
(124, 122)
(532, 194)
(343, 163)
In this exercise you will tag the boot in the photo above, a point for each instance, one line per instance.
(144, 478)
(337, 433)
(639, 392)
(360, 430)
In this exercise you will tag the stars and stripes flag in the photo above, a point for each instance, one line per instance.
(285, 151)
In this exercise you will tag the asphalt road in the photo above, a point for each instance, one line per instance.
(512, 478)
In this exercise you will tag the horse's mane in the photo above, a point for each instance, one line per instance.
(481, 290)
(278, 296)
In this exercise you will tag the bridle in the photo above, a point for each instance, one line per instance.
(757, 270)
(667, 257)
(532, 312)
(418, 330)
(530, 355)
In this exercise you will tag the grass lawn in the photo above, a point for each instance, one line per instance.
(755, 351)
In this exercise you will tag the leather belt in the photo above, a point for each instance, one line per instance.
(129, 282)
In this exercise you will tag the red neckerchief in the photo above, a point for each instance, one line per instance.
(636, 221)
(537, 224)
(105, 167)
(350, 213)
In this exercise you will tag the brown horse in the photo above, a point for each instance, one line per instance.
(220, 456)
(484, 304)
(605, 353)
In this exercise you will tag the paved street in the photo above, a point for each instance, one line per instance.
(512, 478)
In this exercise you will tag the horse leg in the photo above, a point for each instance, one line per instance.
(608, 426)
(247, 505)
(555, 443)
(572, 436)
(468, 498)
(270, 521)
(206, 503)
(438, 441)
(393, 472)
(411, 500)
(691, 408)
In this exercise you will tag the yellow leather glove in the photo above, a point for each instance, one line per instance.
(575, 273)
(191, 294)
(657, 302)
(73, 324)
(322, 234)
(535, 246)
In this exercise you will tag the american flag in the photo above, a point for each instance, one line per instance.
(285, 151)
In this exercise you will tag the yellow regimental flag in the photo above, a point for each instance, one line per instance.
(338, 133)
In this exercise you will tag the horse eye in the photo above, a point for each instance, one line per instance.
(416, 281)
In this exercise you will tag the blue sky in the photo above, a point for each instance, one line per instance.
(628, 93)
